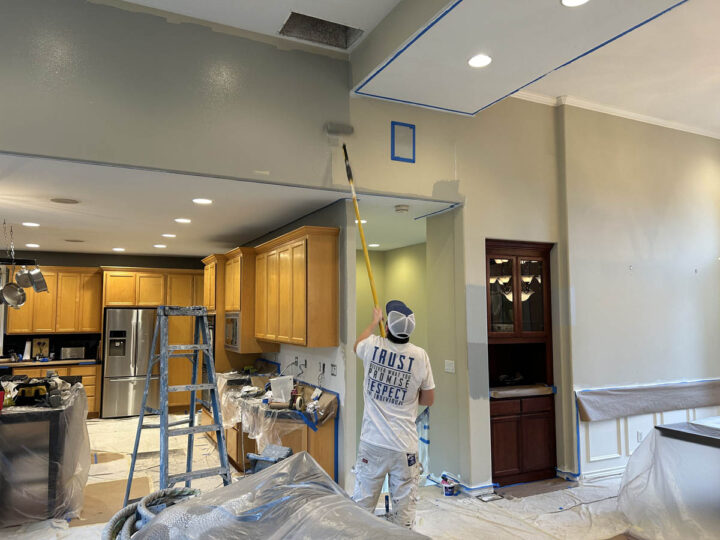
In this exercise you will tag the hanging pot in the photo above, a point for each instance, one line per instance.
(22, 278)
(37, 280)
(13, 295)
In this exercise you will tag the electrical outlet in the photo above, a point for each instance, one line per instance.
(322, 368)
(449, 366)
(333, 370)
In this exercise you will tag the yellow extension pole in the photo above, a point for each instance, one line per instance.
(348, 170)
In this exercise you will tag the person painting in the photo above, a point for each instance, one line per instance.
(397, 378)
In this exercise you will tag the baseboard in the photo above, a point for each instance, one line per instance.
(603, 473)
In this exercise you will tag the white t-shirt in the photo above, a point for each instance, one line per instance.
(394, 375)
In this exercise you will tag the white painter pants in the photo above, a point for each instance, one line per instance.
(373, 463)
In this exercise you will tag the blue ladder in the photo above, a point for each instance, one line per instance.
(203, 343)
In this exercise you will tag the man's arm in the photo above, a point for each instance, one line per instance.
(377, 317)
(427, 397)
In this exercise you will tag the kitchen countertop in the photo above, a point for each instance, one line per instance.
(52, 363)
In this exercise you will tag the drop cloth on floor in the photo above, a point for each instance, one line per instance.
(588, 511)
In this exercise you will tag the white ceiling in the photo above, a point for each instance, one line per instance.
(268, 17)
(132, 208)
(525, 38)
(668, 70)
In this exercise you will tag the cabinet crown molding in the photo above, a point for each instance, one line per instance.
(296, 235)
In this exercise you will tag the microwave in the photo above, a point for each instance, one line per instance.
(232, 332)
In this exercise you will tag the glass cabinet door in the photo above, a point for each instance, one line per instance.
(532, 295)
(501, 287)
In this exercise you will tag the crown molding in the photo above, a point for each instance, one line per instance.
(613, 111)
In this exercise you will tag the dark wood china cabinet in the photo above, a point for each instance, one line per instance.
(520, 363)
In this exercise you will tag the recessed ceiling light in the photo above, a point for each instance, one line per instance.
(373, 245)
(480, 61)
(168, 235)
(363, 221)
(74, 240)
(118, 249)
(32, 245)
(202, 201)
(573, 3)
(159, 246)
(30, 224)
(61, 200)
(182, 220)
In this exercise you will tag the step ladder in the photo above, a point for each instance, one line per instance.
(202, 344)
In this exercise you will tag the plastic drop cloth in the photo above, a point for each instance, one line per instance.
(671, 489)
(292, 499)
(44, 460)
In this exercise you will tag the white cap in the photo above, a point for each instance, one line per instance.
(400, 319)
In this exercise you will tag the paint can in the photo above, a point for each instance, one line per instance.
(448, 486)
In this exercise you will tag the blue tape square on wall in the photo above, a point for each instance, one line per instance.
(402, 142)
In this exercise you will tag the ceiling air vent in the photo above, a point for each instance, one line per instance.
(308, 28)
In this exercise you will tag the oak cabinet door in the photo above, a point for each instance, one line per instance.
(68, 302)
(180, 332)
(285, 290)
(261, 296)
(298, 334)
(20, 320)
(45, 304)
(90, 317)
(198, 294)
(120, 288)
(150, 289)
(272, 294)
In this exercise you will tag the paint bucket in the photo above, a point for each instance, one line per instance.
(449, 489)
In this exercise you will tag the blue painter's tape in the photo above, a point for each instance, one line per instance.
(554, 389)
(394, 157)
(87, 363)
(426, 441)
(309, 422)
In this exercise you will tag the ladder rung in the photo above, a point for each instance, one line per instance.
(171, 424)
(183, 310)
(187, 387)
(193, 347)
(174, 478)
(194, 429)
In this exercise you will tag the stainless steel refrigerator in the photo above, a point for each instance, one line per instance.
(128, 338)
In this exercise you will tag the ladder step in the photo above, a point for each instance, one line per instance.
(174, 478)
(171, 424)
(186, 387)
(193, 347)
(195, 311)
(194, 429)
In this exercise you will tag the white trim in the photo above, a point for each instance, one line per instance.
(613, 111)
(603, 473)
(536, 98)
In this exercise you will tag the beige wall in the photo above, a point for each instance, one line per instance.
(643, 243)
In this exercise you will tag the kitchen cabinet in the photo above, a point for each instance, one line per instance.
(296, 288)
(150, 289)
(214, 282)
(233, 278)
(90, 310)
(522, 439)
(119, 288)
(90, 374)
(71, 304)
(44, 306)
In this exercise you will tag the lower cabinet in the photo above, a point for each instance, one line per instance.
(90, 379)
(299, 437)
(523, 439)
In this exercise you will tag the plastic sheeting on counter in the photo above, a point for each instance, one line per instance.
(293, 499)
(45, 457)
(266, 425)
(670, 489)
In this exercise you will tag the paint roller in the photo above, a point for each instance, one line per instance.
(348, 170)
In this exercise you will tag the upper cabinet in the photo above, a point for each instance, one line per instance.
(296, 288)
(142, 287)
(71, 304)
(518, 290)
(213, 276)
(234, 278)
